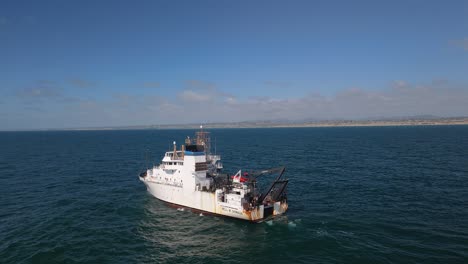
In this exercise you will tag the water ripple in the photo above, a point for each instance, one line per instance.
(362, 195)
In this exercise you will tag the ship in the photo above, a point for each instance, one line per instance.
(192, 177)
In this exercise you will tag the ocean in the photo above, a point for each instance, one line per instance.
(356, 195)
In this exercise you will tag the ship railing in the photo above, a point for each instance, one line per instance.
(214, 157)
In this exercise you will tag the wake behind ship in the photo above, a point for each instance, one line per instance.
(191, 177)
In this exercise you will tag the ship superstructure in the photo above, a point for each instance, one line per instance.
(192, 177)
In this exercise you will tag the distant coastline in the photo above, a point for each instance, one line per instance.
(284, 124)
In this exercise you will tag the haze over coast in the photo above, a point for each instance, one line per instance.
(414, 121)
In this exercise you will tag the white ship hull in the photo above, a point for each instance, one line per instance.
(207, 202)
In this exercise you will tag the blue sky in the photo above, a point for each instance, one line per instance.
(102, 63)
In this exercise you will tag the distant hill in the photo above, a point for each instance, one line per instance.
(395, 121)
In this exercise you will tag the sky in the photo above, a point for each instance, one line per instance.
(71, 64)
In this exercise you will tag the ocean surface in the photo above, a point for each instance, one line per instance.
(356, 195)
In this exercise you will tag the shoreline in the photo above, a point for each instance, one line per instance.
(240, 125)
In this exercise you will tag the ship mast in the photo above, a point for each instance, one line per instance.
(203, 139)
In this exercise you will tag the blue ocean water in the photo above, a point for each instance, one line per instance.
(356, 194)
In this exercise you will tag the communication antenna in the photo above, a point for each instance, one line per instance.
(146, 159)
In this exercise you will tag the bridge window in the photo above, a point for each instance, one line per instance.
(201, 166)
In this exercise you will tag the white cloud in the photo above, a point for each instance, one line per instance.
(462, 43)
(200, 85)
(209, 104)
(203, 92)
(195, 97)
(81, 83)
(39, 92)
(41, 89)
